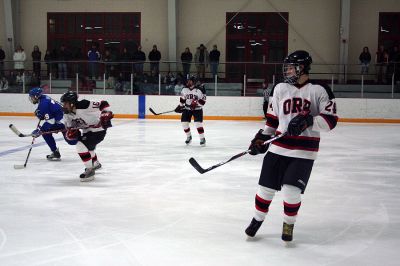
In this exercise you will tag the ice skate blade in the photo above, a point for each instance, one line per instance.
(87, 179)
(54, 159)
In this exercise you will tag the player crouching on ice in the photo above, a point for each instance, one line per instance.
(192, 100)
(51, 112)
(302, 109)
(86, 122)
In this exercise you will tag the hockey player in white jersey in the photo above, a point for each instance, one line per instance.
(301, 109)
(192, 100)
(87, 122)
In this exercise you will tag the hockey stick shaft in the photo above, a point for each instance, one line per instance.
(201, 170)
(154, 113)
(19, 134)
(29, 152)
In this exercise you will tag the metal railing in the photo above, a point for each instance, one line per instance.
(231, 79)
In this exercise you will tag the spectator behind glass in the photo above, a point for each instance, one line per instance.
(2, 57)
(186, 58)
(178, 86)
(125, 58)
(48, 58)
(266, 92)
(139, 57)
(19, 58)
(214, 61)
(365, 60)
(154, 58)
(63, 56)
(381, 60)
(394, 60)
(3, 84)
(201, 59)
(94, 57)
(36, 58)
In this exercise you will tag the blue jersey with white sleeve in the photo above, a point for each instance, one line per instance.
(49, 110)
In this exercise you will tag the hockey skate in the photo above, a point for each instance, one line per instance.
(287, 232)
(188, 140)
(203, 142)
(88, 175)
(252, 229)
(96, 165)
(54, 156)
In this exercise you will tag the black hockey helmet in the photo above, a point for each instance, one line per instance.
(296, 59)
(193, 78)
(69, 96)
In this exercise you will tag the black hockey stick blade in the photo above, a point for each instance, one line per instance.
(196, 166)
(151, 110)
(154, 113)
(17, 132)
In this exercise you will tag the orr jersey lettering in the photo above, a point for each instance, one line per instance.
(288, 101)
(86, 116)
(197, 94)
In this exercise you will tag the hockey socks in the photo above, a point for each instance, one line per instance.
(291, 203)
(263, 199)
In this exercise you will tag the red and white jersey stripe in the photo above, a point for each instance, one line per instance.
(287, 102)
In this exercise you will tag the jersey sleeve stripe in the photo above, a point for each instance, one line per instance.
(330, 120)
(272, 121)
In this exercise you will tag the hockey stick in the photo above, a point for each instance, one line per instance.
(22, 135)
(201, 170)
(18, 166)
(19, 134)
(154, 113)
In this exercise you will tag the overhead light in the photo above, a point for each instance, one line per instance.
(240, 47)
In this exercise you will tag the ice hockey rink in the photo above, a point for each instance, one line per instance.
(148, 206)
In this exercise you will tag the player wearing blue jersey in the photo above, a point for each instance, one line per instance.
(51, 112)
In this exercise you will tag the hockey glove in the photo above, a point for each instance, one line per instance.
(179, 109)
(72, 134)
(38, 114)
(299, 123)
(193, 105)
(36, 133)
(257, 144)
(105, 119)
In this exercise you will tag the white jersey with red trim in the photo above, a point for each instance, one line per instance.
(86, 116)
(287, 102)
(190, 94)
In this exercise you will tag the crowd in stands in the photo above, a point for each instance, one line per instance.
(386, 63)
(64, 62)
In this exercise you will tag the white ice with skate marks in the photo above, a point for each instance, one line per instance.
(148, 206)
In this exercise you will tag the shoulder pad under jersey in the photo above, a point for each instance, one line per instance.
(326, 87)
(84, 104)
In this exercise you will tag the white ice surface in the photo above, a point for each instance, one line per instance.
(148, 206)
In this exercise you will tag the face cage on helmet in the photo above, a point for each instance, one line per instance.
(291, 79)
(33, 99)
